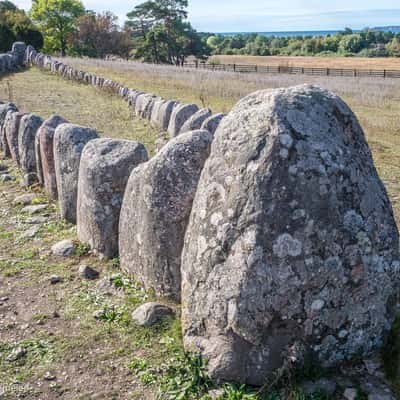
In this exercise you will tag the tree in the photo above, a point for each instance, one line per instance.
(57, 20)
(7, 38)
(15, 25)
(162, 34)
(98, 34)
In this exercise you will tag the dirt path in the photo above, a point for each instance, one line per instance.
(62, 351)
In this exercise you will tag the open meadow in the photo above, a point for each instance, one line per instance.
(376, 102)
(72, 354)
(375, 63)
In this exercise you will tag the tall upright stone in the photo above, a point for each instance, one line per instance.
(196, 120)
(103, 174)
(45, 138)
(211, 123)
(69, 141)
(291, 249)
(179, 116)
(11, 128)
(4, 109)
(18, 49)
(155, 212)
(28, 128)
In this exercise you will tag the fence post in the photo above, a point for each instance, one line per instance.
(197, 63)
(327, 71)
(234, 67)
(384, 73)
(256, 68)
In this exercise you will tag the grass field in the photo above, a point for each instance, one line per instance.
(113, 358)
(314, 62)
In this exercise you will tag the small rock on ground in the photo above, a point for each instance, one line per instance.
(7, 178)
(55, 279)
(16, 354)
(34, 209)
(25, 199)
(88, 272)
(150, 313)
(65, 248)
(30, 233)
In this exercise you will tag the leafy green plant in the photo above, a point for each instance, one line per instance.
(82, 250)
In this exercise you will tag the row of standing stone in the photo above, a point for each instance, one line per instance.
(276, 233)
(94, 178)
(169, 116)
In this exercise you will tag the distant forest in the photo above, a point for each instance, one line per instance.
(367, 43)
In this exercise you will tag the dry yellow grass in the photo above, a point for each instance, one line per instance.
(314, 62)
(45, 94)
(375, 102)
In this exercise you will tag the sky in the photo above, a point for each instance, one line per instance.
(270, 15)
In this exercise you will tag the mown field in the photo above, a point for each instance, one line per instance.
(112, 358)
(313, 62)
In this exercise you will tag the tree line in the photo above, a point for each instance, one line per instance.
(158, 31)
(155, 31)
(367, 43)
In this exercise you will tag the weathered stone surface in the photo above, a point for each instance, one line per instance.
(196, 120)
(156, 209)
(211, 123)
(150, 313)
(11, 128)
(25, 199)
(144, 105)
(103, 173)
(45, 137)
(28, 180)
(28, 128)
(18, 49)
(65, 248)
(291, 246)
(69, 141)
(4, 109)
(179, 116)
(164, 114)
(34, 209)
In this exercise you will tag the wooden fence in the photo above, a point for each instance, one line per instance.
(264, 69)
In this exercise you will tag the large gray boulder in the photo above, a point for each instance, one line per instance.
(4, 109)
(196, 120)
(46, 168)
(103, 174)
(179, 116)
(11, 128)
(69, 141)
(156, 209)
(29, 125)
(291, 249)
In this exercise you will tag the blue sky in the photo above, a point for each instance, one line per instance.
(262, 15)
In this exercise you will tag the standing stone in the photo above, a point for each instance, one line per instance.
(196, 120)
(69, 141)
(28, 128)
(103, 174)
(156, 209)
(18, 49)
(179, 116)
(164, 114)
(4, 109)
(45, 138)
(11, 128)
(211, 123)
(292, 248)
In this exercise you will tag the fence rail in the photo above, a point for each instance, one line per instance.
(265, 69)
